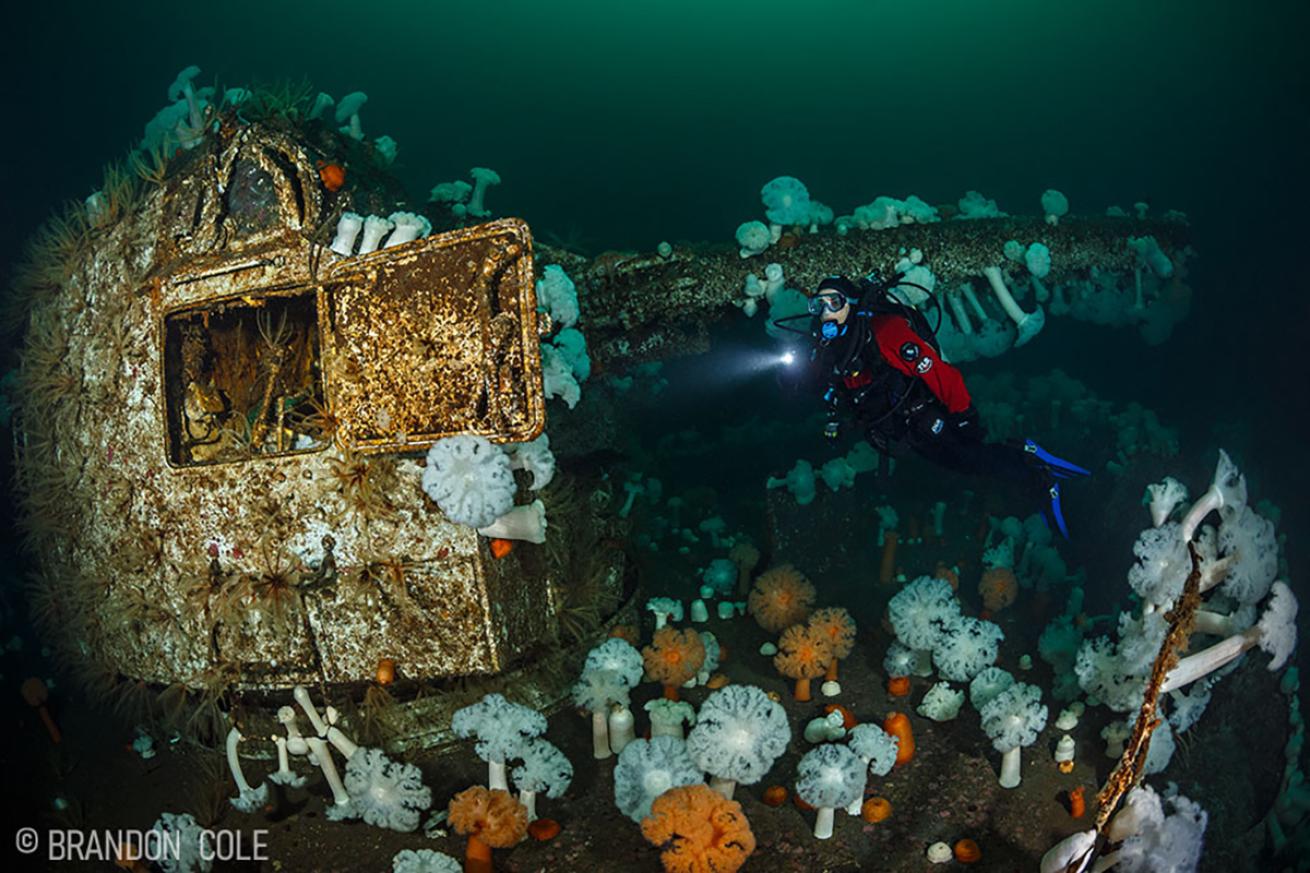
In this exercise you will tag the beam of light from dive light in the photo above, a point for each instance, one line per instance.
(730, 365)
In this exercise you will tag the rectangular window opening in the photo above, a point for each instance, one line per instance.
(243, 380)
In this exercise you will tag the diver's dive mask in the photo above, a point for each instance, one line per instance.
(827, 300)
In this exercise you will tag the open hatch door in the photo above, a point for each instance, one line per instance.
(434, 338)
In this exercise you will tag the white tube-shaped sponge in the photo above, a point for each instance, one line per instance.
(408, 227)
(348, 228)
(301, 694)
(248, 798)
(296, 744)
(234, 763)
(375, 227)
(323, 758)
(967, 290)
(961, 314)
(344, 744)
(622, 728)
(1028, 323)
(526, 523)
(285, 775)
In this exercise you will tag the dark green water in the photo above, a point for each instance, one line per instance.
(617, 125)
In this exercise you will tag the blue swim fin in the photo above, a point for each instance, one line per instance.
(1056, 512)
(1059, 467)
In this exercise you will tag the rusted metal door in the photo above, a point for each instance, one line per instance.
(434, 338)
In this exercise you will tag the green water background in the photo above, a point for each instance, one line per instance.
(621, 124)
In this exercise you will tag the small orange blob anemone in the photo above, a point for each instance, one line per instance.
(386, 672)
(626, 632)
(544, 830)
(500, 548)
(876, 809)
(898, 725)
(781, 598)
(1077, 804)
(36, 694)
(837, 625)
(803, 654)
(673, 657)
(698, 829)
(967, 852)
(898, 686)
(998, 589)
(774, 795)
(333, 176)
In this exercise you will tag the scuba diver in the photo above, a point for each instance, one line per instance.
(877, 360)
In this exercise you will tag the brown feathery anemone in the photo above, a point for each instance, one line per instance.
(781, 598)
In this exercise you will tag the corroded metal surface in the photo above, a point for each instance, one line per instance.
(1131, 767)
(434, 338)
(638, 306)
(423, 722)
(286, 567)
(244, 192)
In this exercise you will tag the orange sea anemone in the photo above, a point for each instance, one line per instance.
(876, 809)
(673, 657)
(698, 830)
(803, 654)
(781, 598)
(837, 625)
(333, 176)
(998, 589)
(500, 548)
(386, 672)
(898, 725)
(967, 852)
(774, 795)
(491, 819)
(717, 681)
(898, 686)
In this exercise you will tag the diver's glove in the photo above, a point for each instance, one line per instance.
(832, 430)
(963, 422)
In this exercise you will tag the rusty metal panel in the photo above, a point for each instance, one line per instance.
(243, 190)
(434, 338)
(438, 622)
(522, 603)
